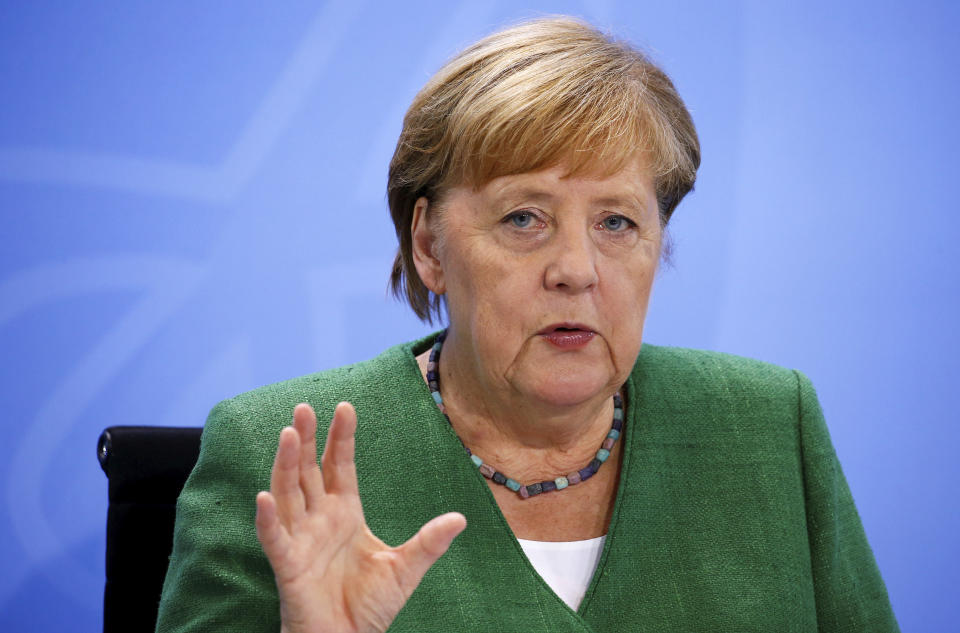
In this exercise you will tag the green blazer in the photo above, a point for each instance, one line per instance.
(732, 513)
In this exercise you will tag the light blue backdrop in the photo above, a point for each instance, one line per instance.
(192, 200)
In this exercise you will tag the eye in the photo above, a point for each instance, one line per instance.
(616, 223)
(521, 219)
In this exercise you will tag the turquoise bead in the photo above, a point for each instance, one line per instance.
(436, 397)
(476, 460)
(561, 482)
(603, 454)
(512, 485)
(618, 414)
(613, 434)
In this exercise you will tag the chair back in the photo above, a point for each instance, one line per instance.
(146, 467)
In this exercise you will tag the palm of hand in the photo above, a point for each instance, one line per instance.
(332, 573)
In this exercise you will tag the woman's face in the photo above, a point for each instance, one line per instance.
(546, 277)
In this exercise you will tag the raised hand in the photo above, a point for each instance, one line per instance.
(332, 573)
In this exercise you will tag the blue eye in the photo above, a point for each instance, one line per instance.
(616, 223)
(521, 219)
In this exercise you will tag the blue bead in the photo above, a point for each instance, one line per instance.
(476, 460)
(561, 482)
(617, 400)
(603, 454)
(586, 473)
(613, 434)
(595, 464)
(548, 486)
(500, 478)
(431, 376)
(437, 397)
(512, 484)
(534, 489)
(618, 414)
(617, 425)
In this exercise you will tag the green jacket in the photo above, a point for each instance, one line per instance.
(732, 513)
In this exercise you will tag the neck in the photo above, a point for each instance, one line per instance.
(520, 434)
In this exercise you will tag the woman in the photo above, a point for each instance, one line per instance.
(603, 487)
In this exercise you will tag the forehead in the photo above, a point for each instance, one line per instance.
(633, 183)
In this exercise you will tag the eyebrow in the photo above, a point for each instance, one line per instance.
(620, 201)
(514, 195)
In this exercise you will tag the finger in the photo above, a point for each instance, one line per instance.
(339, 469)
(285, 477)
(270, 532)
(311, 481)
(427, 545)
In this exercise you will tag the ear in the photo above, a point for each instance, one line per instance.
(426, 248)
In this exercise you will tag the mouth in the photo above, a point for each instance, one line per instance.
(565, 327)
(567, 335)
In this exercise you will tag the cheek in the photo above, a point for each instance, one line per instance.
(625, 309)
(631, 277)
(489, 274)
(477, 283)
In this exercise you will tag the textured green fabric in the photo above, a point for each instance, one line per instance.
(732, 512)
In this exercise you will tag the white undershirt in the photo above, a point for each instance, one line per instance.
(567, 566)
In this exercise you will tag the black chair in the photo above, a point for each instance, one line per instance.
(147, 467)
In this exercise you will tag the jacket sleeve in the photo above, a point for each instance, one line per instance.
(218, 578)
(849, 592)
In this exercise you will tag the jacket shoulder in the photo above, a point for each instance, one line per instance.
(377, 385)
(392, 370)
(712, 392)
(709, 371)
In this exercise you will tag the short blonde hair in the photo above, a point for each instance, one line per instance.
(532, 96)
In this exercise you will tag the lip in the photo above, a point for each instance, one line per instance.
(567, 336)
(566, 325)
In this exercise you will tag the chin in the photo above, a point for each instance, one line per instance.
(571, 388)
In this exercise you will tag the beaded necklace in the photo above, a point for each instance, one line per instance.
(488, 471)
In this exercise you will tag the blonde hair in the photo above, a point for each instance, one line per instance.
(532, 96)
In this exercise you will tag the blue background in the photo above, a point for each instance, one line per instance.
(192, 200)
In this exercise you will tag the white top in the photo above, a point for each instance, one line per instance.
(567, 566)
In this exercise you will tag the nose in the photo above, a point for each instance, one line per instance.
(572, 265)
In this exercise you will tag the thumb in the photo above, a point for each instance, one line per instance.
(429, 543)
